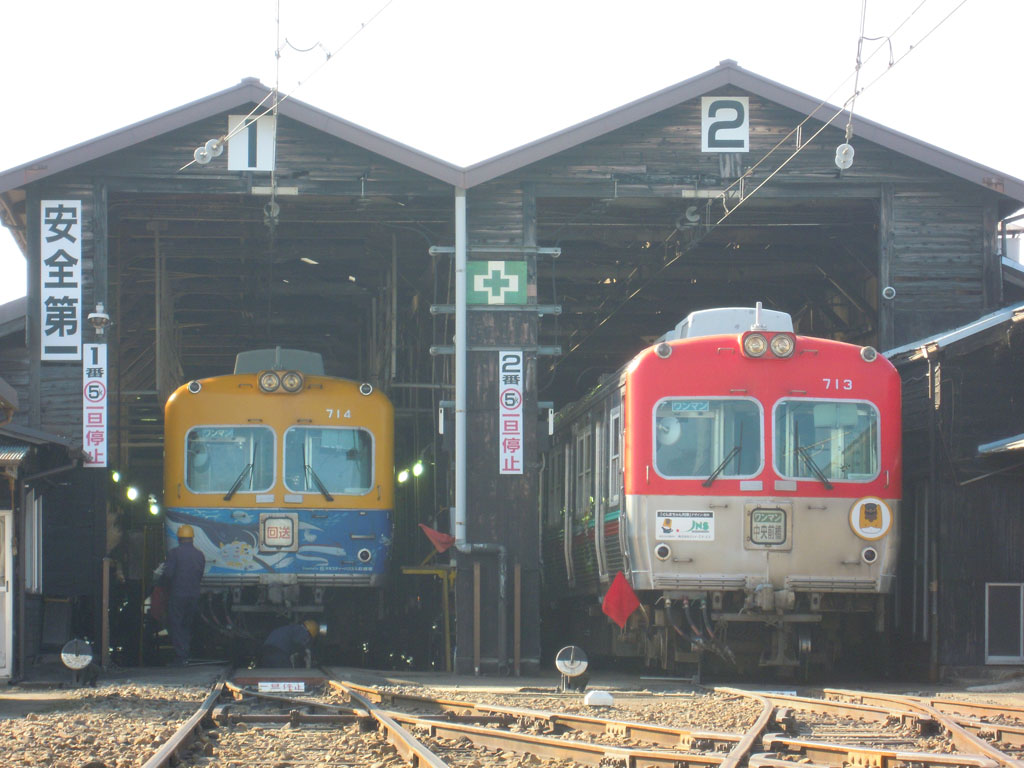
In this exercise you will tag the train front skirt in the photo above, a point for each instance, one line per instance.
(337, 547)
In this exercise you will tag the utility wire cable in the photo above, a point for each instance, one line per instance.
(246, 121)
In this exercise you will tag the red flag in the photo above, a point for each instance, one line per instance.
(620, 601)
(441, 541)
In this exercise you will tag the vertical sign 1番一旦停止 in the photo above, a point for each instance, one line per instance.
(94, 405)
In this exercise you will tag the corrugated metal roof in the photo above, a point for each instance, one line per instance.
(1005, 445)
(11, 453)
(915, 350)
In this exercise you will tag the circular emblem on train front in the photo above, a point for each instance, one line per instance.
(870, 518)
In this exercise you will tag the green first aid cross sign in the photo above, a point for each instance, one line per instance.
(495, 282)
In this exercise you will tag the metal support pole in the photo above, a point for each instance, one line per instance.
(476, 618)
(105, 626)
(461, 343)
(517, 620)
(446, 584)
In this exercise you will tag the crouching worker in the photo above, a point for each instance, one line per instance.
(285, 646)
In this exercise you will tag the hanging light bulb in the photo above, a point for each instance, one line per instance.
(132, 493)
(417, 469)
(403, 475)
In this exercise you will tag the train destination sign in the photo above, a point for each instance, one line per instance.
(768, 526)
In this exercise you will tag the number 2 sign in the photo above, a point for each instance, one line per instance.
(724, 124)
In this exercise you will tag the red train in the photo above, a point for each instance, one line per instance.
(746, 481)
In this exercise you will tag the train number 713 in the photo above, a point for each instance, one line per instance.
(838, 383)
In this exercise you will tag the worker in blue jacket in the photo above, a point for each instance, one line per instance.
(284, 644)
(182, 574)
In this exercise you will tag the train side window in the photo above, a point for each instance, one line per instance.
(834, 439)
(701, 437)
(614, 456)
(338, 458)
(219, 457)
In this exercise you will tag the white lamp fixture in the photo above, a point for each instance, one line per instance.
(99, 319)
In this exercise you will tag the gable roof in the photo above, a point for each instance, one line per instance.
(249, 91)
(727, 73)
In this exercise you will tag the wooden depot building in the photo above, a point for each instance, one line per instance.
(315, 233)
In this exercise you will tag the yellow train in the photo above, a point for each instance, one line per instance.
(287, 478)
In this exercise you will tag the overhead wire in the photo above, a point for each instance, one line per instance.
(739, 182)
(246, 121)
(839, 112)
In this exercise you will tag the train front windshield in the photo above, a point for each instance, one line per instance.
(220, 458)
(834, 440)
(331, 459)
(701, 437)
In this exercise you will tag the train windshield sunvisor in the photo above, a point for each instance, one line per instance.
(331, 459)
(830, 439)
(701, 437)
(221, 458)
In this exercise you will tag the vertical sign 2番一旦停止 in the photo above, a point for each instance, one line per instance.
(510, 412)
(60, 277)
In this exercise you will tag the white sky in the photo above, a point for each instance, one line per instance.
(468, 79)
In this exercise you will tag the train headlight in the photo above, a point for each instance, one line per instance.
(269, 381)
(869, 555)
(663, 551)
(364, 555)
(365, 389)
(782, 345)
(869, 354)
(291, 381)
(755, 345)
(663, 350)
(194, 387)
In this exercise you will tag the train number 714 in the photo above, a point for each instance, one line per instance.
(337, 413)
(838, 383)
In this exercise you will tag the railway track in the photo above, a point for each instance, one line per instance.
(341, 723)
(348, 724)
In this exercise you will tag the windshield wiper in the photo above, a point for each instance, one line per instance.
(802, 450)
(718, 470)
(238, 483)
(319, 483)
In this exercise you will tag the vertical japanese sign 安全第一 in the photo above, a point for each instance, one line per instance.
(60, 278)
(510, 412)
(94, 405)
